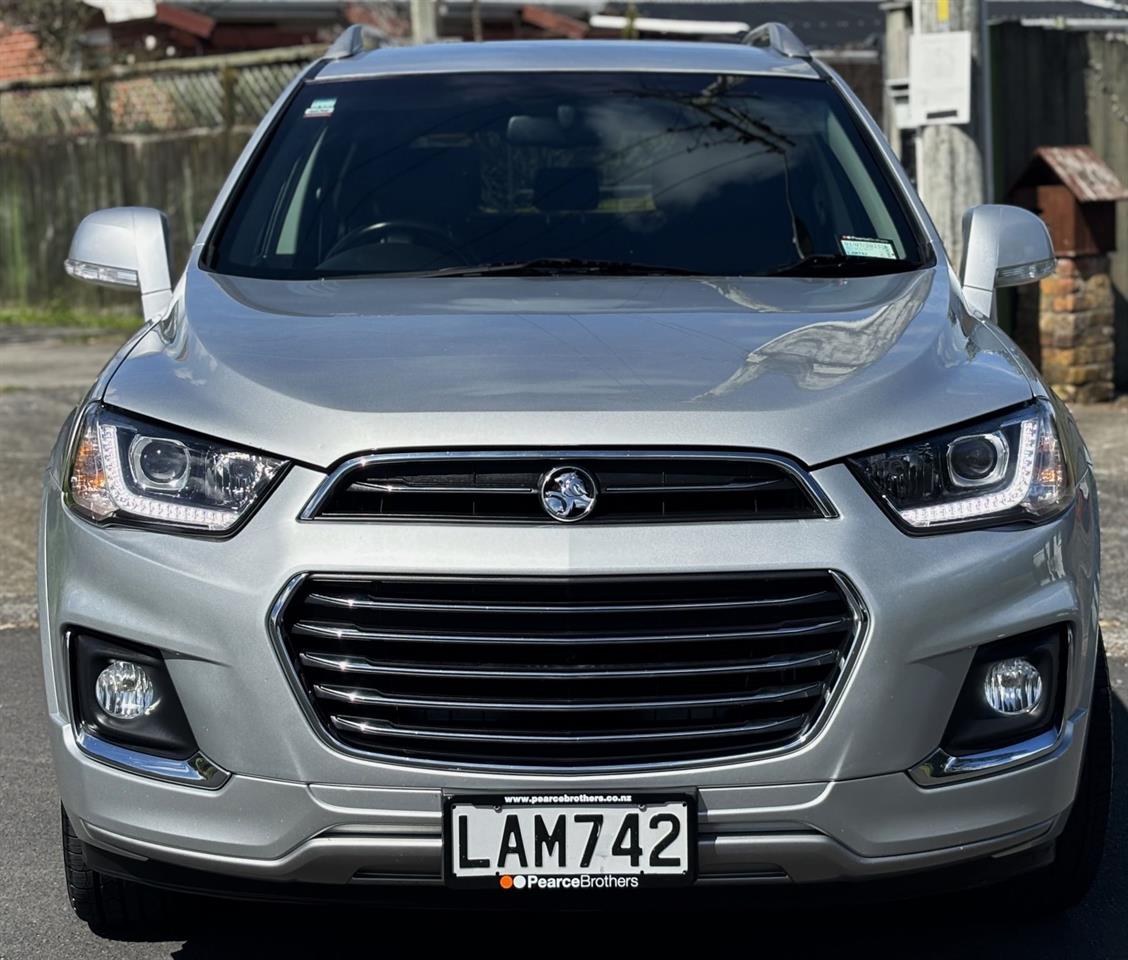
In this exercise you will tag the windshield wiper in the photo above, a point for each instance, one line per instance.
(554, 266)
(841, 265)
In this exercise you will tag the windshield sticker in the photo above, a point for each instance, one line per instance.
(867, 247)
(321, 108)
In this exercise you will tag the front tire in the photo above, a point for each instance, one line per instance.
(111, 907)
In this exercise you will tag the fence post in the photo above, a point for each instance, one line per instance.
(102, 115)
(228, 79)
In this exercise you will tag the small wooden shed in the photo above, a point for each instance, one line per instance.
(1065, 324)
(1075, 192)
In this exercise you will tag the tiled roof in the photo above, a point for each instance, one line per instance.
(19, 54)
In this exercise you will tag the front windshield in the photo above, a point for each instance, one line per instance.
(546, 173)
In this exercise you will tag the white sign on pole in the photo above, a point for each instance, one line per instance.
(120, 11)
(940, 78)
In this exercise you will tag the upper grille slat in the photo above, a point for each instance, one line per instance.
(420, 488)
(568, 672)
(632, 486)
(761, 485)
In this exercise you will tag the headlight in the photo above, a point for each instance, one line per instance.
(1007, 469)
(129, 470)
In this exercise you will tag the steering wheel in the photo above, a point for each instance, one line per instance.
(435, 238)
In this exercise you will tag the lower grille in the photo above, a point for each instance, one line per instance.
(550, 672)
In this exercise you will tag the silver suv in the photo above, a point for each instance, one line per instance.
(570, 467)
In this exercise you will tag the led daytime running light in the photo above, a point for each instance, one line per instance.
(125, 499)
(117, 465)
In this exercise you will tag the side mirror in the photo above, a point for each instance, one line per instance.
(1003, 247)
(124, 247)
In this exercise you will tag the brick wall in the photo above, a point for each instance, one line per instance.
(19, 54)
(1075, 322)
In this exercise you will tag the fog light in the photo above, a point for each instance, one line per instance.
(1013, 686)
(125, 690)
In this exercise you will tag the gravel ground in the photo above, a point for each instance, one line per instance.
(1105, 427)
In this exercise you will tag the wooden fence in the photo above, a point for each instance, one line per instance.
(162, 135)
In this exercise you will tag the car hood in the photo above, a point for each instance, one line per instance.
(817, 368)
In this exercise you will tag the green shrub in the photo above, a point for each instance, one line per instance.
(64, 315)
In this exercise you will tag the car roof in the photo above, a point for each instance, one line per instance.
(656, 56)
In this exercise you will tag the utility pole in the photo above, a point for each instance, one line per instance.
(895, 70)
(476, 19)
(424, 21)
(953, 161)
(630, 31)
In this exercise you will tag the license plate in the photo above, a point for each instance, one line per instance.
(569, 841)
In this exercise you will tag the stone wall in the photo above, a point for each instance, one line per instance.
(1075, 329)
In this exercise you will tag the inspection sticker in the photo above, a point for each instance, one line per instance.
(866, 247)
(321, 108)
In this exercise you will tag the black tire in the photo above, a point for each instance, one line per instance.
(1079, 848)
(111, 907)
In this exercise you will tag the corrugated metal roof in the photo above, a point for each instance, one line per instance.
(1088, 177)
(830, 24)
(843, 23)
(1054, 9)
(1063, 9)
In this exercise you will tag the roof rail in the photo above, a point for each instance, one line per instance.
(355, 39)
(779, 38)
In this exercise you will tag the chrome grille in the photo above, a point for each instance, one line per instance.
(551, 672)
(636, 486)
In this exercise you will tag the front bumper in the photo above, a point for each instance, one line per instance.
(840, 806)
(270, 830)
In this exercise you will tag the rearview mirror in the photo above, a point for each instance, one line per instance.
(569, 128)
(1003, 247)
(124, 247)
